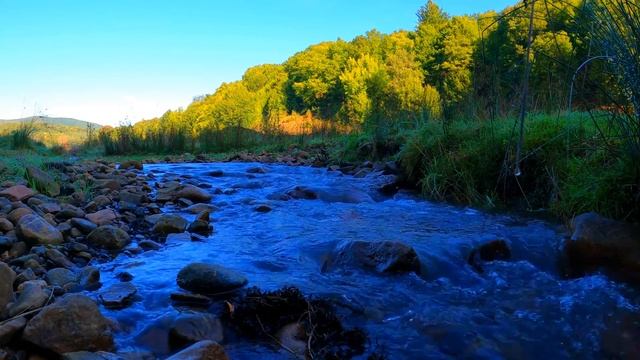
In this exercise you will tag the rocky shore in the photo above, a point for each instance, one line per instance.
(62, 220)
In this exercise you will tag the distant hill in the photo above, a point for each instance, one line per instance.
(52, 121)
(52, 131)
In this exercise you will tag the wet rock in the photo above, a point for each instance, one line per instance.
(7, 277)
(200, 207)
(118, 296)
(147, 245)
(263, 208)
(598, 242)
(215, 173)
(102, 217)
(109, 237)
(256, 170)
(9, 330)
(201, 224)
(193, 193)
(89, 278)
(17, 193)
(169, 224)
(5, 205)
(25, 275)
(489, 251)
(85, 226)
(209, 278)
(189, 299)
(32, 296)
(5, 225)
(44, 182)
(203, 350)
(191, 328)
(382, 257)
(124, 276)
(35, 230)
(72, 323)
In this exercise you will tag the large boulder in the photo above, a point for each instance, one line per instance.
(35, 230)
(601, 243)
(209, 278)
(327, 194)
(381, 257)
(7, 277)
(42, 181)
(109, 237)
(203, 350)
(193, 193)
(17, 193)
(169, 224)
(72, 323)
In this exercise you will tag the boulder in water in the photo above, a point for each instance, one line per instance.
(209, 278)
(193, 193)
(118, 296)
(382, 256)
(598, 242)
(169, 224)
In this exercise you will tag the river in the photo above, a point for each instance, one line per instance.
(521, 308)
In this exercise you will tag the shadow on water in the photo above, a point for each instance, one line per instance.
(515, 309)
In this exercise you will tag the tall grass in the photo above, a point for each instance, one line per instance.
(565, 166)
(22, 137)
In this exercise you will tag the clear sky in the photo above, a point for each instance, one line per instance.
(110, 60)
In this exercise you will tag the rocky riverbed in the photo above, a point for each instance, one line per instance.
(260, 258)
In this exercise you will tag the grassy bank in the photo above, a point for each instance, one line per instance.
(570, 165)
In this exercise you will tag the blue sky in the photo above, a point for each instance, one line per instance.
(111, 60)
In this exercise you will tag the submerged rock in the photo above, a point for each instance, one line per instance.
(489, 251)
(72, 323)
(209, 278)
(382, 257)
(598, 242)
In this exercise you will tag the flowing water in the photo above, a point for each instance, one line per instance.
(516, 309)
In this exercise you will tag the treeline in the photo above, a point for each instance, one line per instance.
(447, 67)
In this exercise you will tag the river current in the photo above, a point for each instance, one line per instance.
(521, 308)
